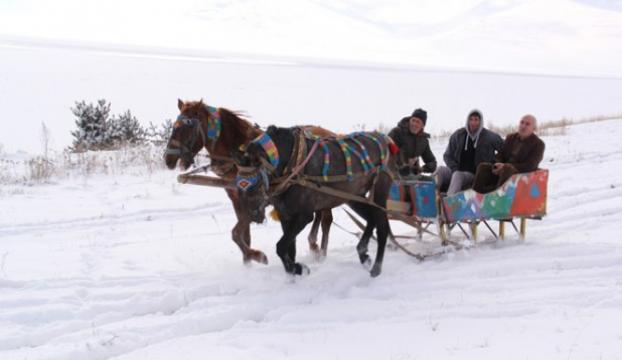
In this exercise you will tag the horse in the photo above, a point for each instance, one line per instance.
(222, 133)
(301, 180)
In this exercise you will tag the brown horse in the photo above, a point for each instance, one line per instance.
(223, 133)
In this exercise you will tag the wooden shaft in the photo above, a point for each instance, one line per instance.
(501, 230)
(443, 233)
(523, 228)
(473, 227)
(205, 181)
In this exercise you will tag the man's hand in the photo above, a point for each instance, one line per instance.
(497, 167)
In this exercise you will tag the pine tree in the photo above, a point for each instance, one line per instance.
(159, 135)
(91, 122)
(166, 129)
(124, 129)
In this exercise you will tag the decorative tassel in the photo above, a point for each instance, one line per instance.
(274, 215)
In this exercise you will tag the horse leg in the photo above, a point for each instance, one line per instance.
(382, 231)
(364, 211)
(241, 233)
(327, 221)
(286, 246)
(383, 228)
(313, 234)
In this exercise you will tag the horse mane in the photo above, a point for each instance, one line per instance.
(236, 130)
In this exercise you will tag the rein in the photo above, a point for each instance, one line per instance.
(297, 169)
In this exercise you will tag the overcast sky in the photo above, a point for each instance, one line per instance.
(541, 36)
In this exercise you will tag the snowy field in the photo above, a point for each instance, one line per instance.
(40, 81)
(112, 259)
(136, 266)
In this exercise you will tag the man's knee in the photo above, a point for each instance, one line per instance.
(485, 167)
(443, 172)
(460, 180)
(462, 177)
(443, 176)
(506, 173)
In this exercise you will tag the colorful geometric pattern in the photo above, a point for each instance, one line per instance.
(214, 123)
(246, 183)
(366, 162)
(269, 147)
(521, 195)
(326, 166)
(357, 148)
(347, 154)
(413, 198)
(376, 139)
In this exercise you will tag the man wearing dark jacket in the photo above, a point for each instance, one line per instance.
(413, 143)
(521, 152)
(468, 147)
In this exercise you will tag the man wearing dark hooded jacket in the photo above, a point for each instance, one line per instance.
(468, 147)
(413, 143)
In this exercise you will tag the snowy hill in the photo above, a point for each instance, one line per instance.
(333, 63)
(553, 36)
(139, 267)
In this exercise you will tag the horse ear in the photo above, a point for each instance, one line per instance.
(201, 101)
(180, 104)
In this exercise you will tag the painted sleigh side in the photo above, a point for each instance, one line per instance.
(522, 195)
(416, 198)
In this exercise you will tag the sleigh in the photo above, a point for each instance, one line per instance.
(418, 203)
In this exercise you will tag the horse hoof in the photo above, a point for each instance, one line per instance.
(313, 247)
(375, 271)
(261, 258)
(319, 256)
(256, 256)
(366, 264)
(301, 269)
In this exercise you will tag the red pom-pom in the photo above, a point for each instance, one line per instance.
(394, 149)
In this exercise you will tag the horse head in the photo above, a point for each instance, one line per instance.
(261, 162)
(189, 134)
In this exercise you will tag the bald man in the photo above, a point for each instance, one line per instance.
(521, 152)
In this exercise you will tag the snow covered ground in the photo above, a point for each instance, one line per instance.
(135, 266)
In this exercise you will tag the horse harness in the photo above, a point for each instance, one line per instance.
(214, 127)
(249, 177)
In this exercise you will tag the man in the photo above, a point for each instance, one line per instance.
(521, 152)
(413, 143)
(468, 147)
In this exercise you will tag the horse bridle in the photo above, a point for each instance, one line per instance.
(181, 149)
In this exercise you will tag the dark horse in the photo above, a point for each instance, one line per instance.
(297, 188)
(222, 133)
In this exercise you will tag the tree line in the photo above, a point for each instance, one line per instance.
(97, 129)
